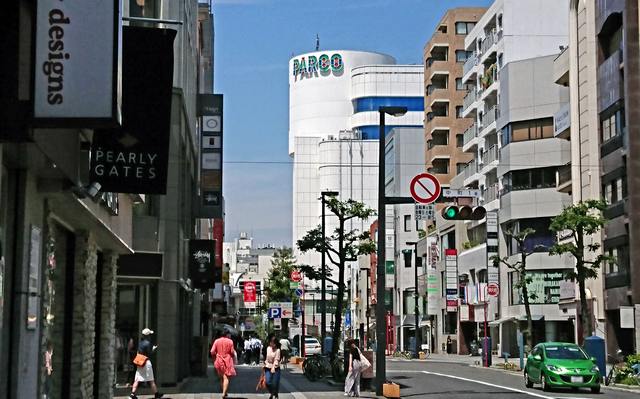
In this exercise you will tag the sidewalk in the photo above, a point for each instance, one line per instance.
(293, 385)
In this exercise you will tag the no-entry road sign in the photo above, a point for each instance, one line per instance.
(425, 188)
(296, 276)
(493, 289)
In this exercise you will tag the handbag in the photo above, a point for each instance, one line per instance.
(262, 383)
(140, 360)
(364, 361)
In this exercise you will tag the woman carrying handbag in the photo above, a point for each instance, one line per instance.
(357, 364)
(272, 366)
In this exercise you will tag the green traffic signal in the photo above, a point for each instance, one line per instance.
(463, 213)
(451, 212)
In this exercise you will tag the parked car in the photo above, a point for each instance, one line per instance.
(558, 364)
(311, 346)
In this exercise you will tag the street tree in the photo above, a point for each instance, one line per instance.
(350, 245)
(524, 279)
(579, 221)
(278, 278)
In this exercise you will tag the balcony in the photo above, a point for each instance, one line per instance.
(490, 194)
(488, 120)
(489, 157)
(469, 135)
(469, 100)
(561, 68)
(604, 8)
(492, 38)
(488, 80)
(563, 178)
(470, 169)
(610, 87)
(471, 62)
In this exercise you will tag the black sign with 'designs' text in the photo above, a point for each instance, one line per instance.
(134, 158)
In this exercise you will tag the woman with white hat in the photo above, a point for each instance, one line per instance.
(144, 373)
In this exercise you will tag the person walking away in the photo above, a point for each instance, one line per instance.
(352, 382)
(272, 366)
(223, 354)
(247, 351)
(144, 373)
(449, 345)
(285, 350)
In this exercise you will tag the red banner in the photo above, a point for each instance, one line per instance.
(249, 291)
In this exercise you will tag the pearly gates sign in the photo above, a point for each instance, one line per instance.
(134, 158)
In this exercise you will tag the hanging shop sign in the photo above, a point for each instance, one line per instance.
(202, 264)
(312, 65)
(77, 63)
(249, 294)
(134, 158)
(451, 270)
(210, 111)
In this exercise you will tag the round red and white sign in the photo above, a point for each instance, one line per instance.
(296, 276)
(493, 289)
(425, 188)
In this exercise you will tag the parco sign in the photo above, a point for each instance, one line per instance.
(312, 65)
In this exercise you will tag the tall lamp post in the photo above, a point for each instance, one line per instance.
(323, 298)
(381, 338)
(416, 295)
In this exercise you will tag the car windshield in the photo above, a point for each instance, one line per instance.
(565, 352)
(311, 341)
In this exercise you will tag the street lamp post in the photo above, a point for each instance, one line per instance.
(323, 298)
(416, 295)
(381, 338)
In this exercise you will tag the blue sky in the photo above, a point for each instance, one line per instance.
(254, 40)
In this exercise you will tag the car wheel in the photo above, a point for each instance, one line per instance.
(595, 389)
(527, 381)
(543, 381)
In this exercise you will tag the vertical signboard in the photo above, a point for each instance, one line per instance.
(249, 294)
(451, 272)
(77, 56)
(433, 286)
(493, 273)
(390, 274)
(201, 263)
(134, 158)
(210, 111)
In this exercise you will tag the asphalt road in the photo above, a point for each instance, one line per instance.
(453, 380)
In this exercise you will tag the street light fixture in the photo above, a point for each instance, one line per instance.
(381, 339)
(323, 319)
(416, 295)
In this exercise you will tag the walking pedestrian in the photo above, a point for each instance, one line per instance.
(285, 349)
(272, 366)
(449, 345)
(224, 355)
(144, 372)
(352, 382)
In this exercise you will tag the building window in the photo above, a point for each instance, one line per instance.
(442, 28)
(615, 190)
(527, 130)
(612, 125)
(459, 84)
(407, 223)
(462, 55)
(459, 111)
(463, 28)
(619, 261)
(530, 179)
(460, 167)
(459, 139)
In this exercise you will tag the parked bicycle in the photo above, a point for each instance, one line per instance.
(316, 367)
(404, 354)
(617, 363)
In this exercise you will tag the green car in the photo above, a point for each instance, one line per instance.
(559, 364)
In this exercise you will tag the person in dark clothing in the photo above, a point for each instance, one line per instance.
(144, 373)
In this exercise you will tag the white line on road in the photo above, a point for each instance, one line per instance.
(490, 384)
(294, 392)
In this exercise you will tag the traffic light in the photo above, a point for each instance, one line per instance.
(465, 212)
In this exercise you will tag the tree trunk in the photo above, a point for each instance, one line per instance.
(335, 345)
(525, 294)
(585, 315)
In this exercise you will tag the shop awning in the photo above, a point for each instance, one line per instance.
(496, 323)
(534, 317)
(409, 321)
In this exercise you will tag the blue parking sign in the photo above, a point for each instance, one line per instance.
(275, 313)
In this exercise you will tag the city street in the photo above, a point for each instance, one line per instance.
(430, 379)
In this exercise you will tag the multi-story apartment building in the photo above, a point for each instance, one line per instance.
(601, 123)
(444, 55)
(515, 157)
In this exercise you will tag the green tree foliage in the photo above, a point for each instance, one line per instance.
(520, 267)
(579, 221)
(350, 245)
(277, 283)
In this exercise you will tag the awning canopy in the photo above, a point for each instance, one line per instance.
(409, 321)
(534, 317)
(496, 323)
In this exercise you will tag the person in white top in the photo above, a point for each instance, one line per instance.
(285, 350)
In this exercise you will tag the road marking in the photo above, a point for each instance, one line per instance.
(292, 390)
(537, 395)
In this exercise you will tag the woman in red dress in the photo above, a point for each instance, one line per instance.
(224, 355)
